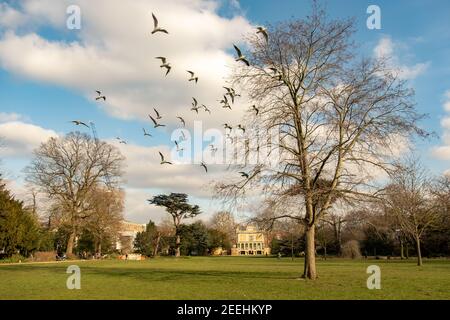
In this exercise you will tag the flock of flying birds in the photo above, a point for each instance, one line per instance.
(227, 101)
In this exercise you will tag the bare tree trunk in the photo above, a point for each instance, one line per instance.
(70, 243)
(402, 256)
(177, 245)
(310, 254)
(419, 253)
(407, 250)
(155, 250)
(292, 247)
(339, 239)
(338, 236)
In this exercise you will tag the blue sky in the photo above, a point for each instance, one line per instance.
(45, 96)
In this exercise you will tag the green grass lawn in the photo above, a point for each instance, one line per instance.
(226, 278)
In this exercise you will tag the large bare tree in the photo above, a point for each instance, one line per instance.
(339, 117)
(68, 169)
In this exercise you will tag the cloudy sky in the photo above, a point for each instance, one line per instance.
(49, 74)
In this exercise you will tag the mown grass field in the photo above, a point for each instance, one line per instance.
(226, 278)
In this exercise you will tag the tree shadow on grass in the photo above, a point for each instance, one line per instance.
(155, 274)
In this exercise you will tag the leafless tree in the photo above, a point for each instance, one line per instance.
(410, 200)
(68, 169)
(441, 190)
(339, 118)
(224, 221)
(336, 222)
(105, 219)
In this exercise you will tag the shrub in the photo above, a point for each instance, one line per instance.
(15, 258)
(351, 250)
(42, 256)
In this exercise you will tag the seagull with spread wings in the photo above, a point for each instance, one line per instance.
(158, 116)
(195, 109)
(232, 93)
(241, 57)
(165, 64)
(178, 147)
(193, 77)
(204, 166)
(79, 123)
(264, 32)
(156, 123)
(146, 134)
(224, 100)
(121, 141)
(182, 121)
(244, 175)
(155, 26)
(163, 161)
(100, 96)
(206, 109)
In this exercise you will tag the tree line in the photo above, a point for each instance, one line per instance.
(409, 215)
(195, 239)
(83, 210)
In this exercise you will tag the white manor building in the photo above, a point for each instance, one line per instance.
(250, 241)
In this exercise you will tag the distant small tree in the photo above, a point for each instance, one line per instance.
(325, 236)
(225, 222)
(409, 198)
(146, 241)
(218, 239)
(104, 222)
(179, 209)
(194, 239)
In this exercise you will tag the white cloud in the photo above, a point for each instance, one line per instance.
(115, 53)
(443, 152)
(9, 17)
(445, 123)
(8, 117)
(19, 139)
(447, 103)
(386, 48)
(137, 208)
(144, 171)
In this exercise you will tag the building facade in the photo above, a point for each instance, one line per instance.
(250, 241)
(128, 233)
